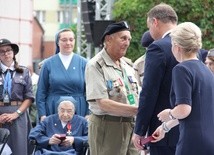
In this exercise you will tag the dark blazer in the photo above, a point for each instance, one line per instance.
(52, 125)
(154, 96)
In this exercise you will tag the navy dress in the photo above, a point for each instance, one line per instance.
(55, 81)
(193, 84)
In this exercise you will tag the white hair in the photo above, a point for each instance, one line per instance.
(67, 102)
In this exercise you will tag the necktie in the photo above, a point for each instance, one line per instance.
(8, 83)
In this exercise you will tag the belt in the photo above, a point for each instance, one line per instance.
(12, 103)
(115, 118)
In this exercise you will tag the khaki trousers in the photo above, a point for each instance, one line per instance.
(110, 137)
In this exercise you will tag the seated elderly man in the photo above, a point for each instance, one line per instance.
(64, 132)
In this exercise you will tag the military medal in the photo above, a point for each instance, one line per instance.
(69, 129)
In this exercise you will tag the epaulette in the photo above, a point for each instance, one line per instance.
(24, 67)
(100, 62)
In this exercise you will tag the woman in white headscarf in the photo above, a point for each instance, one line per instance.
(63, 74)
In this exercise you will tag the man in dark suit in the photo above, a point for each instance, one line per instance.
(154, 96)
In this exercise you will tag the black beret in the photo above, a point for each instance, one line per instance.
(115, 27)
(146, 39)
(4, 42)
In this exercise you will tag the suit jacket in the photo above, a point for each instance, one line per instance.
(52, 125)
(154, 96)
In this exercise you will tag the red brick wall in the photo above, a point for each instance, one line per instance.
(49, 49)
(37, 45)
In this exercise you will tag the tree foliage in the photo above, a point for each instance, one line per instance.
(135, 13)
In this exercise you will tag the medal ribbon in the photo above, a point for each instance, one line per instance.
(68, 128)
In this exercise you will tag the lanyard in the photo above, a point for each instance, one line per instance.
(124, 76)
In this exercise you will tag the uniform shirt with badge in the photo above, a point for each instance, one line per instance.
(20, 82)
(118, 84)
(6, 85)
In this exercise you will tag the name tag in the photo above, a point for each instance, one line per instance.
(131, 99)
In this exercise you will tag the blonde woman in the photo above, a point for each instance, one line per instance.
(191, 95)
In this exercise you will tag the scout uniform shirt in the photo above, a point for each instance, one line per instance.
(20, 83)
(106, 81)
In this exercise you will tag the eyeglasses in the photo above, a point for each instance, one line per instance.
(8, 51)
(65, 40)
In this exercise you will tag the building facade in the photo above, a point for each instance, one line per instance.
(16, 22)
(54, 15)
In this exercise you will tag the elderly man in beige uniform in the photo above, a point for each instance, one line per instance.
(112, 93)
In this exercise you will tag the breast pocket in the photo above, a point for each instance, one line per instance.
(19, 85)
(116, 92)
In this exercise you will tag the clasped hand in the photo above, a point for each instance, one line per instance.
(68, 141)
(8, 117)
(159, 133)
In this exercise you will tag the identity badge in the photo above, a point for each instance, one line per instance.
(131, 99)
(6, 98)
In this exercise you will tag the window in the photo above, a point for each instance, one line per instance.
(63, 16)
(63, 2)
(40, 14)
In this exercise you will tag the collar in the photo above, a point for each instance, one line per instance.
(62, 56)
(107, 59)
(166, 33)
(4, 68)
(63, 124)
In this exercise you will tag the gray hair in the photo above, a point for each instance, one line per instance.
(188, 36)
(164, 13)
(66, 102)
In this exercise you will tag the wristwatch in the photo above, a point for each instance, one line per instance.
(19, 112)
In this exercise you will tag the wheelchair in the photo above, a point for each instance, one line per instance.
(4, 135)
(85, 149)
